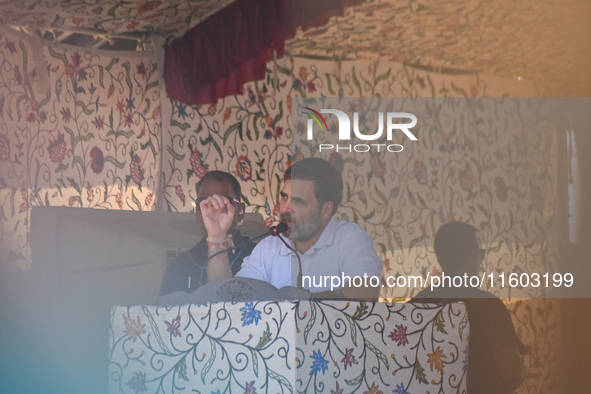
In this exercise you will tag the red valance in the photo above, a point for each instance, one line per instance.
(218, 56)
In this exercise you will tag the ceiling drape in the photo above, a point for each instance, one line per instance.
(217, 57)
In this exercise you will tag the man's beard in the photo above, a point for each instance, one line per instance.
(304, 231)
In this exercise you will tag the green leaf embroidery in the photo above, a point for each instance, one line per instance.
(114, 161)
(265, 338)
(310, 322)
(420, 372)
(356, 81)
(136, 201)
(352, 328)
(357, 380)
(414, 242)
(230, 130)
(381, 356)
(156, 331)
(281, 379)
(210, 362)
(181, 369)
(382, 77)
(255, 361)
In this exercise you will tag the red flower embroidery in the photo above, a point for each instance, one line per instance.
(420, 172)
(173, 327)
(467, 178)
(376, 167)
(196, 165)
(501, 191)
(399, 335)
(57, 149)
(336, 159)
(89, 192)
(179, 192)
(243, 168)
(98, 160)
(349, 358)
(137, 173)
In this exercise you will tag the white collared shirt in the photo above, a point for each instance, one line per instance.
(343, 249)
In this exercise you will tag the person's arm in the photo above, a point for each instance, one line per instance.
(493, 319)
(357, 258)
(360, 259)
(510, 366)
(218, 214)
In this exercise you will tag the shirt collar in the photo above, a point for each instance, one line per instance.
(327, 236)
(284, 250)
(325, 239)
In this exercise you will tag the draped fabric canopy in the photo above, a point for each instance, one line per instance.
(226, 43)
(218, 56)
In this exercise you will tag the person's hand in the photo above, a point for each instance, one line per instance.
(218, 214)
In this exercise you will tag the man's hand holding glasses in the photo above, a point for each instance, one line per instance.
(218, 214)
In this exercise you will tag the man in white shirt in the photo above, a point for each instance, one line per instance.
(333, 253)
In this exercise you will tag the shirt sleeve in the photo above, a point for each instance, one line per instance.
(253, 265)
(359, 257)
(176, 277)
(491, 325)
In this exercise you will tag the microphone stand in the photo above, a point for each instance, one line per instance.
(275, 230)
(299, 284)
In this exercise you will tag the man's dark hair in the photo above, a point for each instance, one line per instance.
(221, 176)
(328, 183)
(453, 242)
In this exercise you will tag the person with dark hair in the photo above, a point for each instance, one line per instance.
(494, 362)
(188, 271)
(328, 248)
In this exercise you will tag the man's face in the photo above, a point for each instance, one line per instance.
(208, 189)
(299, 209)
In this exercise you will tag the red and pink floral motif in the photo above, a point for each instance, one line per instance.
(399, 335)
(376, 167)
(57, 149)
(243, 168)
(198, 168)
(98, 160)
(89, 192)
(135, 170)
(119, 200)
(179, 192)
(501, 191)
(149, 199)
(336, 159)
(420, 172)
(467, 178)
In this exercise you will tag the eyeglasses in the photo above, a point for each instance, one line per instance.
(198, 201)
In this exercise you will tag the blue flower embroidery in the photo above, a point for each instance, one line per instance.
(400, 389)
(319, 363)
(130, 103)
(250, 315)
(182, 111)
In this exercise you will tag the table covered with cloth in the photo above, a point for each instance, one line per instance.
(331, 347)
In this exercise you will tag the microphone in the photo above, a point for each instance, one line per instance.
(279, 229)
(275, 231)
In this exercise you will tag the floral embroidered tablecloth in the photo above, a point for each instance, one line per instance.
(289, 347)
